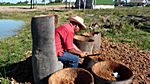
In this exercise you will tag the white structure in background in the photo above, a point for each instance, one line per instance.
(139, 1)
(103, 6)
(92, 4)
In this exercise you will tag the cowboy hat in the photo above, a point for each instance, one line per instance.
(78, 20)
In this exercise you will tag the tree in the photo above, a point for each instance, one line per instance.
(32, 4)
(119, 2)
(58, 1)
(26, 2)
(50, 1)
(43, 0)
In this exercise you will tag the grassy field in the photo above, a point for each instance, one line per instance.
(120, 29)
(104, 2)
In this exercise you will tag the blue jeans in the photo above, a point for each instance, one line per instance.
(69, 60)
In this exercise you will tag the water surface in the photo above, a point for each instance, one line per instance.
(8, 27)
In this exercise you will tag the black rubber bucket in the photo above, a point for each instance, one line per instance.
(108, 72)
(84, 43)
(89, 61)
(71, 76)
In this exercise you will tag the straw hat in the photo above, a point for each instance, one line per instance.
(78, 20)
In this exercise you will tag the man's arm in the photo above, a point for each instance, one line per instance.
(77, 51)
(76, 47)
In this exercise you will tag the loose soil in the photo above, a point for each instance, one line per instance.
(104, 69)
(71, 76)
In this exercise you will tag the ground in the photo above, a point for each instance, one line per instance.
(136, 60)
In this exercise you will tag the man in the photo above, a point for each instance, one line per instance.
(66, 51)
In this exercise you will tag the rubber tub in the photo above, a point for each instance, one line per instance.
(71, 76)
(109, 72)
(89, 61)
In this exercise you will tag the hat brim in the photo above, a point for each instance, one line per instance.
(74, 20)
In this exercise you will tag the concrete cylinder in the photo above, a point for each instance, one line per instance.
(44, 59)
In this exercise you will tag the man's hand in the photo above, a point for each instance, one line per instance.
(83, 54)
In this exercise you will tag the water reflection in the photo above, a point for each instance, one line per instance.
(8, 27)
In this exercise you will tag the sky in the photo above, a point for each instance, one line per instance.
(15, 1)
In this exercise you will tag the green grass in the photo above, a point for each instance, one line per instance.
(14, 4)
(102, 2)
(13, 49)
(136, 37)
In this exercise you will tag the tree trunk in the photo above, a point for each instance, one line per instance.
(44, 59)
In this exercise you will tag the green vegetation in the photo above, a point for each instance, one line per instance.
(120, 29)
(104, 2)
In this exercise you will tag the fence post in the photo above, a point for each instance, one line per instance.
(44, 59)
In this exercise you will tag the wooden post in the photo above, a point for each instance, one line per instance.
(44, 59)
(69, 4)
(66, 4)
(84, 4)
(79, 4)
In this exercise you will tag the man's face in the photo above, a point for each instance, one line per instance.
(76, 29)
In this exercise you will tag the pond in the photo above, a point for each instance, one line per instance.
(8, 27)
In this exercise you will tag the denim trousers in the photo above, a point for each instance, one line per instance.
(69, 60)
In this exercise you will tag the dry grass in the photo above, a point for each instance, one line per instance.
(27, 8)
